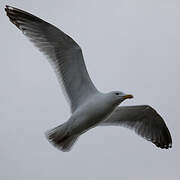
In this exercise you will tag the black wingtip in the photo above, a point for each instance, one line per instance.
(10, 12)
(165, 139)
(11, 8)
(8, 8)
(16, 14)
(167, 146)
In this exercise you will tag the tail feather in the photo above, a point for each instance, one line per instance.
(68, 143)
(60, 139)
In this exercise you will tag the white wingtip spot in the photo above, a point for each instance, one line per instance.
(9, 7)
(24, 32)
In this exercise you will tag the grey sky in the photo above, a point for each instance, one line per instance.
(136, 44)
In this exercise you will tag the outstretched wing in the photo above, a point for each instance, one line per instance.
(145, 121)
(63, 53)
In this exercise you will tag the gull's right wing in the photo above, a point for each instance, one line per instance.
(62, 51)
(145, 121)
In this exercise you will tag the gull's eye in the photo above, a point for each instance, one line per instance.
(117, 93)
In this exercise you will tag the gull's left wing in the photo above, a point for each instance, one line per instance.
(62, 51)
(145, 121)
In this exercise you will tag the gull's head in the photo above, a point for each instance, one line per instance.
(117, 97)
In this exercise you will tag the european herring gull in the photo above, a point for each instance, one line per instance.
(89, 107)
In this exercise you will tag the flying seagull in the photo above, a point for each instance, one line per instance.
(89, 107)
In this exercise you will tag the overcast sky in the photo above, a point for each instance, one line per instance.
(128, 45)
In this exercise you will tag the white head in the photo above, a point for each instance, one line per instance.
(116, 97)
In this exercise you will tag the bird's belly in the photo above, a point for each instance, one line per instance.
(89, 118)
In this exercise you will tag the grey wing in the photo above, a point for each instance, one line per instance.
(145, 121)
(63, 53)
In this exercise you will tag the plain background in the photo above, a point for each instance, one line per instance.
(128, 45)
